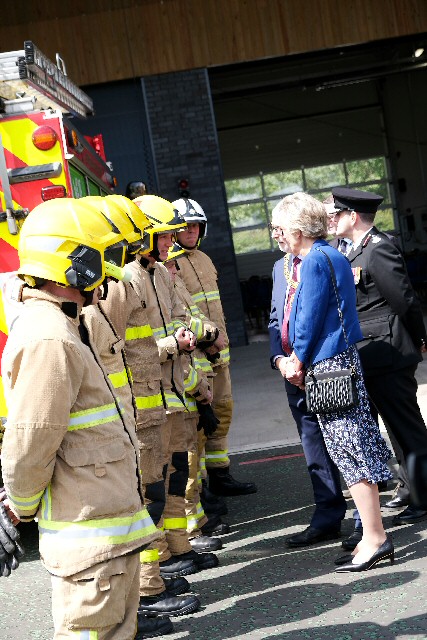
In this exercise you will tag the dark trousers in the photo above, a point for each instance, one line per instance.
(324, 475)
(394, 395)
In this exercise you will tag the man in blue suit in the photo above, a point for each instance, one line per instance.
(330, 504)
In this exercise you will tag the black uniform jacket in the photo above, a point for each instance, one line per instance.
(390, 314)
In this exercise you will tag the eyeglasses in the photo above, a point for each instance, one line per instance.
(277, 230)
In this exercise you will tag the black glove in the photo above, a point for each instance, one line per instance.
(10, 549)
(208, 420)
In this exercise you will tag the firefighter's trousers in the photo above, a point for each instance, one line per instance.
(175, 444)
(153, 474)
(100, 602)
(216, 446)
(196, 517)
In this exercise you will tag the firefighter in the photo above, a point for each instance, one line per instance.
(168, 318)
(70, 456)
(125, 308)
(200, 276)
(198, 375)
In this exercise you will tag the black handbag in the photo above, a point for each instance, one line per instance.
(332, 391)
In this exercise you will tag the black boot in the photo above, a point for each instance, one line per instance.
(212, 504)
(152, 627)
(222, 483)
(201, 560)
(164, 604)
(215, 527)
(176, 586)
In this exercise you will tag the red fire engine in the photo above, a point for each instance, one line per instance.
(42, 154)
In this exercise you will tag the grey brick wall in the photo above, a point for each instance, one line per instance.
(185, 145)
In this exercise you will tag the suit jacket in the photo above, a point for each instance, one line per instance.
(315, 329)
(390, 314)
(278, 298)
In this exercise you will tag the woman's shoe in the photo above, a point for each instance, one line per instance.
(343, 559)
(386, 550)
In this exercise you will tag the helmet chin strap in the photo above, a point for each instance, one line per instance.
(88, 296)
(155, 252)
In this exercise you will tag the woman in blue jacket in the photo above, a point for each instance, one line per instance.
(315, 332)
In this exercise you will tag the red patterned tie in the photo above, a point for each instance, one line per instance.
(288, 306)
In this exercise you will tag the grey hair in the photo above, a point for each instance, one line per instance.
(302, 212)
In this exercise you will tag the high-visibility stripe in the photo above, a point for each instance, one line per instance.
(202, 363)
(161, 332)
(225, 355)
(138, 333)
(194, 310)
(191, 404)
(217, 456)
(149, 402)
(149, 555)
(119, 379)
(202, 463)
(93, 417)
(173, 401)
(207, 296)
(192, 523)
(196, 326)
(86, 634)
(100, 532)
(29, 504)
(191, 381)
(175, 523)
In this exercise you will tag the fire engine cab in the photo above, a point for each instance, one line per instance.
(42, 154)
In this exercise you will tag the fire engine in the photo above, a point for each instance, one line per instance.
(42, 155)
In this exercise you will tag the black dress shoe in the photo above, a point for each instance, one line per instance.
(176, 586)
(177, 566)
(311, 536)
(384, 552)
(201, 560)
(400, 498)
(205, 543)
(410, 515)
(222, 483)
(343, 559)
(164, 605)
(214, 527)
(350, 543)
(152, 627)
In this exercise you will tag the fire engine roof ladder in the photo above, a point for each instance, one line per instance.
(29, 80)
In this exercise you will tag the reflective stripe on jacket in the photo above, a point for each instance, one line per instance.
(70, 457)
(201, 279)
(126, 308)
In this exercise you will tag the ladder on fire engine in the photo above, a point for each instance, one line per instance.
(29, 80)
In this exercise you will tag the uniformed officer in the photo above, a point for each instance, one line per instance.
(391, 321)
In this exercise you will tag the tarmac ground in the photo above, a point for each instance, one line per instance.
(262, 589)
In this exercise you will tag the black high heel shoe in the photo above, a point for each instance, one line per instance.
(385, 551)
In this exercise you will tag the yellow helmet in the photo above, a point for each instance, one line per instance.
(139, 220)
(116, 213)
(68, 242)
(174, 252)
(163, 216)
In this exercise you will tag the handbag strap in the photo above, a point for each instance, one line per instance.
(334, 283)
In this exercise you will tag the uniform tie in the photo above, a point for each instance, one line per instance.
(344, 246)
(288, 306)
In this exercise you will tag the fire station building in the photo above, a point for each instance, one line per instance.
(240, 102)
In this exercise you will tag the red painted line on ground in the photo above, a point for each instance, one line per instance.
(291, 455)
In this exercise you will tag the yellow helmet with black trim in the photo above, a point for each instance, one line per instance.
(68, 242)
(174, 252)
(163, 216)
(115, 212)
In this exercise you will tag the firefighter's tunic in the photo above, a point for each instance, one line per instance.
(201, 279)
(198, 375)
(70, 458)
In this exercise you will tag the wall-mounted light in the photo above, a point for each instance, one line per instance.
(418, 52)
